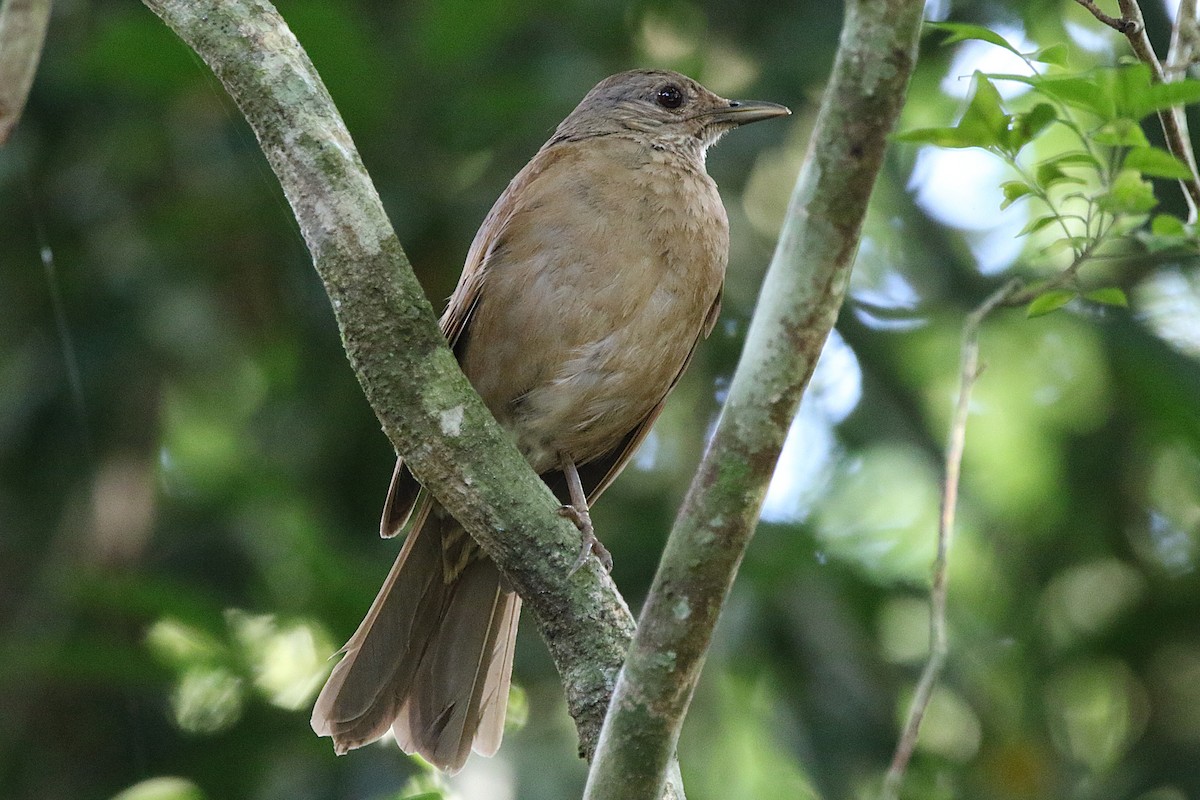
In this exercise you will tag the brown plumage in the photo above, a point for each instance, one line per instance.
(583, 297)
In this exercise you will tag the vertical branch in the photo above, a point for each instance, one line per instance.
(1173, 121)
(22, 34)
(1174, 124)
(1183, 41)
(968, 372)
(798, 305)
(1179, 56)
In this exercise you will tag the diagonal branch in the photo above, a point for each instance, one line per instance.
(1119, 24)
(798, 304)
(426, 406)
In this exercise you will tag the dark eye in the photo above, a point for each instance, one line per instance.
(669, 96)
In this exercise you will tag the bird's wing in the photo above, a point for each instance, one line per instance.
(457, 316)
(598, 474)
(455, 321)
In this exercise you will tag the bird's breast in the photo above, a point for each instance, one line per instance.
(593, 299)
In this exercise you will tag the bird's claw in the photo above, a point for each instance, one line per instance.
(591, 544)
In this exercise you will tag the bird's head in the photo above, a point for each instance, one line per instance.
(664, 105)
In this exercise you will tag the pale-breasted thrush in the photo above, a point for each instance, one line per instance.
(584, 295)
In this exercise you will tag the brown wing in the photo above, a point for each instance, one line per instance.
(598, 474)
(401, 500)
(455, 321)
(457, 317)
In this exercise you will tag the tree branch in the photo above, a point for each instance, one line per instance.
(22, 33)
(1119, 24)
(1012, 294)
(426, 406)
(1174, 124)
(1183, 41)
(969, 370)
(803, 291)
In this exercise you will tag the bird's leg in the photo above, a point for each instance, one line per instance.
(578, 513)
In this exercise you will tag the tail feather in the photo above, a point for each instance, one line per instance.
(433, 656)
(402, 496)
(459, 676)
(495, 687)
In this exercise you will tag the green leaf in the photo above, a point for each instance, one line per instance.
(1014, 191)
(1124, 92)
(1167, 232)
(1055, 54)
(1157, 163)
(1073, 243)
(1073, 159)
(984, 123)
(1049, 301)
(1110, 296)
(1129, 194)
(162, 788)
(1137, 95)
(1130, 223)
(1037, 119)
(1036, 224)
(1048, 175)
(961, 31)
(1167, 225)
(1030, 80)
(1129, 85)
(984, 120)
(1026, 126)
(941, 137)
(1164, 244)
(1079, 91)
(1164, 95)
(1120, 133)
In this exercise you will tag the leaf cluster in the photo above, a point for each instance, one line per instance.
(1094, 189)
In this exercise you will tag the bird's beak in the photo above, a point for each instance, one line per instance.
(742, 112)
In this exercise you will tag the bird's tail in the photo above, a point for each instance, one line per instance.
(433, 657)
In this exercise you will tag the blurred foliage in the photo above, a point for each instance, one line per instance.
(1093, 187)
(190, 478)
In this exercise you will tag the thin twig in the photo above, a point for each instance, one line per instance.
(1172, 120)
(969, 371)
(1013, 293)
(1119, 24)
(1020, 295)
(1183, 40)
(1179, 57)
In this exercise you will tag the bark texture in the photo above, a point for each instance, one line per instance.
(797, 307)
(424, 403)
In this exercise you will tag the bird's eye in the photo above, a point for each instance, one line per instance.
(669, 96)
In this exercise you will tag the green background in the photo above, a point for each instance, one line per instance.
(190, 478)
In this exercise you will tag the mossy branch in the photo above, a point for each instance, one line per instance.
(424, 403)
(799, 303)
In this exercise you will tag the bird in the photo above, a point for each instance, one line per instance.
(583, 297)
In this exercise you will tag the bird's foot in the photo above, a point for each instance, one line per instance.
(591, 544)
